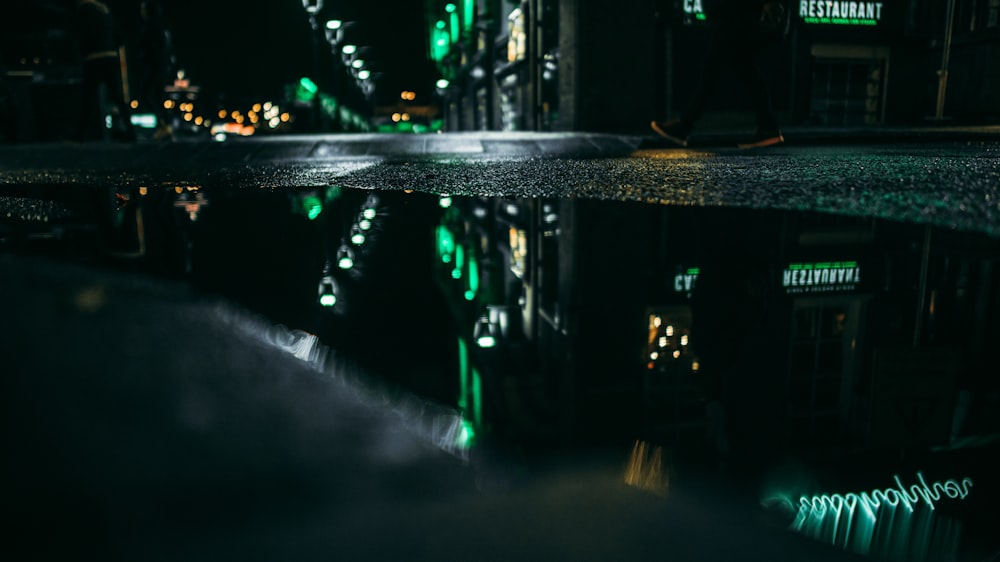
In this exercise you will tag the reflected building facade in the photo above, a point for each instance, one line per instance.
(794, 332)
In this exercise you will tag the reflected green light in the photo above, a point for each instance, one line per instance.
(312, 206)
(328, 300)
(306, 90)
(477, 399)
(333, 193)
(445, 244)
(882, 522)
(345, 263)
(469, 10)
(473, 287)
(463, 375)
(466, 435)
(358, 238)
(368, 213)
(456, 273)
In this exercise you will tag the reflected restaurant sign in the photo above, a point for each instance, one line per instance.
(840, 12)
(821, 277)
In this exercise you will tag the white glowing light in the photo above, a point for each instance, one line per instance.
(670, 331)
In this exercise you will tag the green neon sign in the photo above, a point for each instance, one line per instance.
(838, 12)
(873, 521)
(685, 282)
(870, 503)
(821, 277)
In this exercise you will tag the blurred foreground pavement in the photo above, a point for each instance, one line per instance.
(148, 423)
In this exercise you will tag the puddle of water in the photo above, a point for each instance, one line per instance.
(721, 337)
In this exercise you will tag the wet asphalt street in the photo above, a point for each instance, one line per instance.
(949, 181)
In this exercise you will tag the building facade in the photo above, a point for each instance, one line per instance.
(585, 320)
(569, 65)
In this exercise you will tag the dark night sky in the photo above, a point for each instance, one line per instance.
(251, 48)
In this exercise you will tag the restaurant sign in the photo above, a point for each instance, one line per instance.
(840, 12)
(821, 277)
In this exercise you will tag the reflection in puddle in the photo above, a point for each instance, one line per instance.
(732, 338)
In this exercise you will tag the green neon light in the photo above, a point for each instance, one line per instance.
(700, 17)
(333, 193)
(306, 90)
(463, 375)
(473, 281)
(466, 435)
(456, 273)
(820, 276)
(849, 520)
(455, 27)
(313, 206)
(840, 21)
(477, 399)
(823, 265)
(445, 244)
(469, 11)
(693, 271)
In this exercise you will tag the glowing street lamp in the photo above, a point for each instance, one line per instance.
(312, 6)
(327, 291)
(345, 257)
